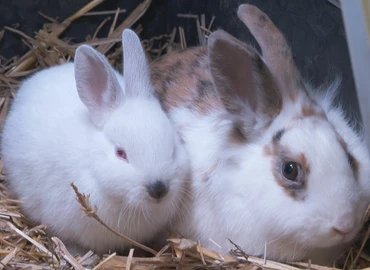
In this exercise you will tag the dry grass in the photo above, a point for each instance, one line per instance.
(25, 245)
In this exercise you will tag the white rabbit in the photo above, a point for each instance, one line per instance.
(273, 162)
(83, 122)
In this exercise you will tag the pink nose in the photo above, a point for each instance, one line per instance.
(342, 230)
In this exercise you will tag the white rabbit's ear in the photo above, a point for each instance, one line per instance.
(135, 66)
(96, 83)
(242, 79)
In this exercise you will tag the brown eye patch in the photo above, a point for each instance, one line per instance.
(277, 137)
(354, 164)
(290, 171)
(303, 161)
(290, 175)
(351, 159)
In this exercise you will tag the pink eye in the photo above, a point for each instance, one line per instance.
(121, 153)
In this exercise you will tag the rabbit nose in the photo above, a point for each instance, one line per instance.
(157, 190)
(342, 230)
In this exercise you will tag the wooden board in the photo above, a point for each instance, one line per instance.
(356, 17)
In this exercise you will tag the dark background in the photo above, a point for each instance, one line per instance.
(313, 28)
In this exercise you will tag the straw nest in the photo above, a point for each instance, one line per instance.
(24, 245)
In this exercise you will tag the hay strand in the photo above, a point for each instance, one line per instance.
(104, 261)
(100, 27)
(90, 211)
(8, 258)
(108, 12)
(60, 28)
(129, 259)
(127, 23)
(114, 23)
(62, 251)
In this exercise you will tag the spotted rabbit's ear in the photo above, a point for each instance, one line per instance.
(242, 79)
(135, 66)
(276, 52)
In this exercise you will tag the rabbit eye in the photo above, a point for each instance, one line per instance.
(121, 153)
(291, 170)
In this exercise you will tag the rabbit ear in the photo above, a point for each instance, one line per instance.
(275, 49)
(135, 66)
(96, 83)
(241, 77)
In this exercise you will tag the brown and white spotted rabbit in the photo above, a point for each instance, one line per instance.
(273, 161)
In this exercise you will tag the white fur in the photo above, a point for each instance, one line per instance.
(236, 196)
(51, 138)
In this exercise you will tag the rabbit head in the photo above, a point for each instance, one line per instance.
(143, 163)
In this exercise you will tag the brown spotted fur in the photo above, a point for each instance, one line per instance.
(183, 79)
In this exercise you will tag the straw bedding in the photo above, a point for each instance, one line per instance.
(26, 246)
